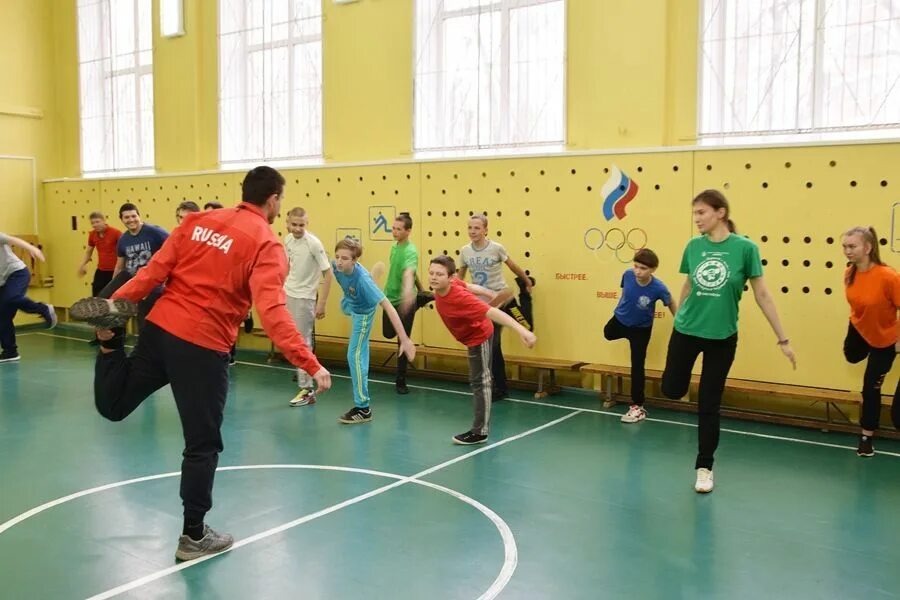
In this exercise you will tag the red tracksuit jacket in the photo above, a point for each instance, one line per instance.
(214, 264)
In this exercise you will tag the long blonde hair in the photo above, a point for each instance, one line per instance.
(868, 236)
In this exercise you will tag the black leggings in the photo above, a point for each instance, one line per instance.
(718, 355)
(638, 338)
(407, 318)
(857, 349)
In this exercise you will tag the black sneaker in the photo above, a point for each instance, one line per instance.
(9, 356)
(521, 283)
(498, 395)
(424, 298)
(356, 415)
(865, 448)
(103, 313)
(401, 387)
(469, 438)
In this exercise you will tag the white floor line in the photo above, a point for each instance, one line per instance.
(325, 511)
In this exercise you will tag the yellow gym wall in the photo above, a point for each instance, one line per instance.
(546, 210)
(27, 118)
(27, 143)
(794, 202)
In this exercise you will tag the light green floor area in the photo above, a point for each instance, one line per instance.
(563, 502)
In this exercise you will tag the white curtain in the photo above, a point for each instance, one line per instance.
(270, 80)
(788, 67)
(489, 74)
(116, 85)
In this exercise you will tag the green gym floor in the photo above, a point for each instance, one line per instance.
(563, 502)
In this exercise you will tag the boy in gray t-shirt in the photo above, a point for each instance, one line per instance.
(485, 258)
(14, 279)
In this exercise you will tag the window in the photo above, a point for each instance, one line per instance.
(826, 69)
(489, 74)
(270, 80)
(116, 85)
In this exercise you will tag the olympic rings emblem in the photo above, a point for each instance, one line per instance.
(616, 239)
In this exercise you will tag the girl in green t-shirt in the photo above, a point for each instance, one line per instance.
(718, 264)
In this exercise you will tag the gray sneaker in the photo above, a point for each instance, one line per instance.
(212, 542)
(103, 313)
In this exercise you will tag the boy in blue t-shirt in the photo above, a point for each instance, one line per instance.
(633, 320)
(361, 297)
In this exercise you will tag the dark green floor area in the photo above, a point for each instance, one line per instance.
(597, 509)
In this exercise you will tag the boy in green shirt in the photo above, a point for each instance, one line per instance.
(400, 289)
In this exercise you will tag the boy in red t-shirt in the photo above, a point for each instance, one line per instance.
(105, 239)
(469, 320)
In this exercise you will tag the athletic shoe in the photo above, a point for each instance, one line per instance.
(356, 415)
(865, 448)
(51, 317)
(9, 356)
(424, 298)
(498, 395)
(212, 542)
(521, 283)
(401, 387)
(635, 413)
(704, 483)
(469, 438)
(103, 313)
(304, 397)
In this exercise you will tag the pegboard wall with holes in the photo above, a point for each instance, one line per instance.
(338, 201)
(795, 203)
(549, 215)
(573, 222)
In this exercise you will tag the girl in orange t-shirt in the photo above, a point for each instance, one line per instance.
(873, 291)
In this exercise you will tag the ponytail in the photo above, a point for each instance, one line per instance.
(716, 200)
(868, 236)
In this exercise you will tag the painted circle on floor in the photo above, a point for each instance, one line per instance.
(510, 551)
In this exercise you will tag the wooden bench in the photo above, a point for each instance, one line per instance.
(615, 375)
(545, 367)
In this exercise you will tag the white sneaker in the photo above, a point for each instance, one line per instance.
(635, 413)
(51, 318)
(704, 484)
(304, 397)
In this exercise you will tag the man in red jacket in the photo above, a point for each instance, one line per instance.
(213, 264)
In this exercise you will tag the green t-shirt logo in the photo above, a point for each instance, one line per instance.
(711, 275)
(718, 272)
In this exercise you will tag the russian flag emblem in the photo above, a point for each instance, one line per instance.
(617, 192)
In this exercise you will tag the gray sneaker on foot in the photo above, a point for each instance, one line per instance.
(103, 313)
(212, 542)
